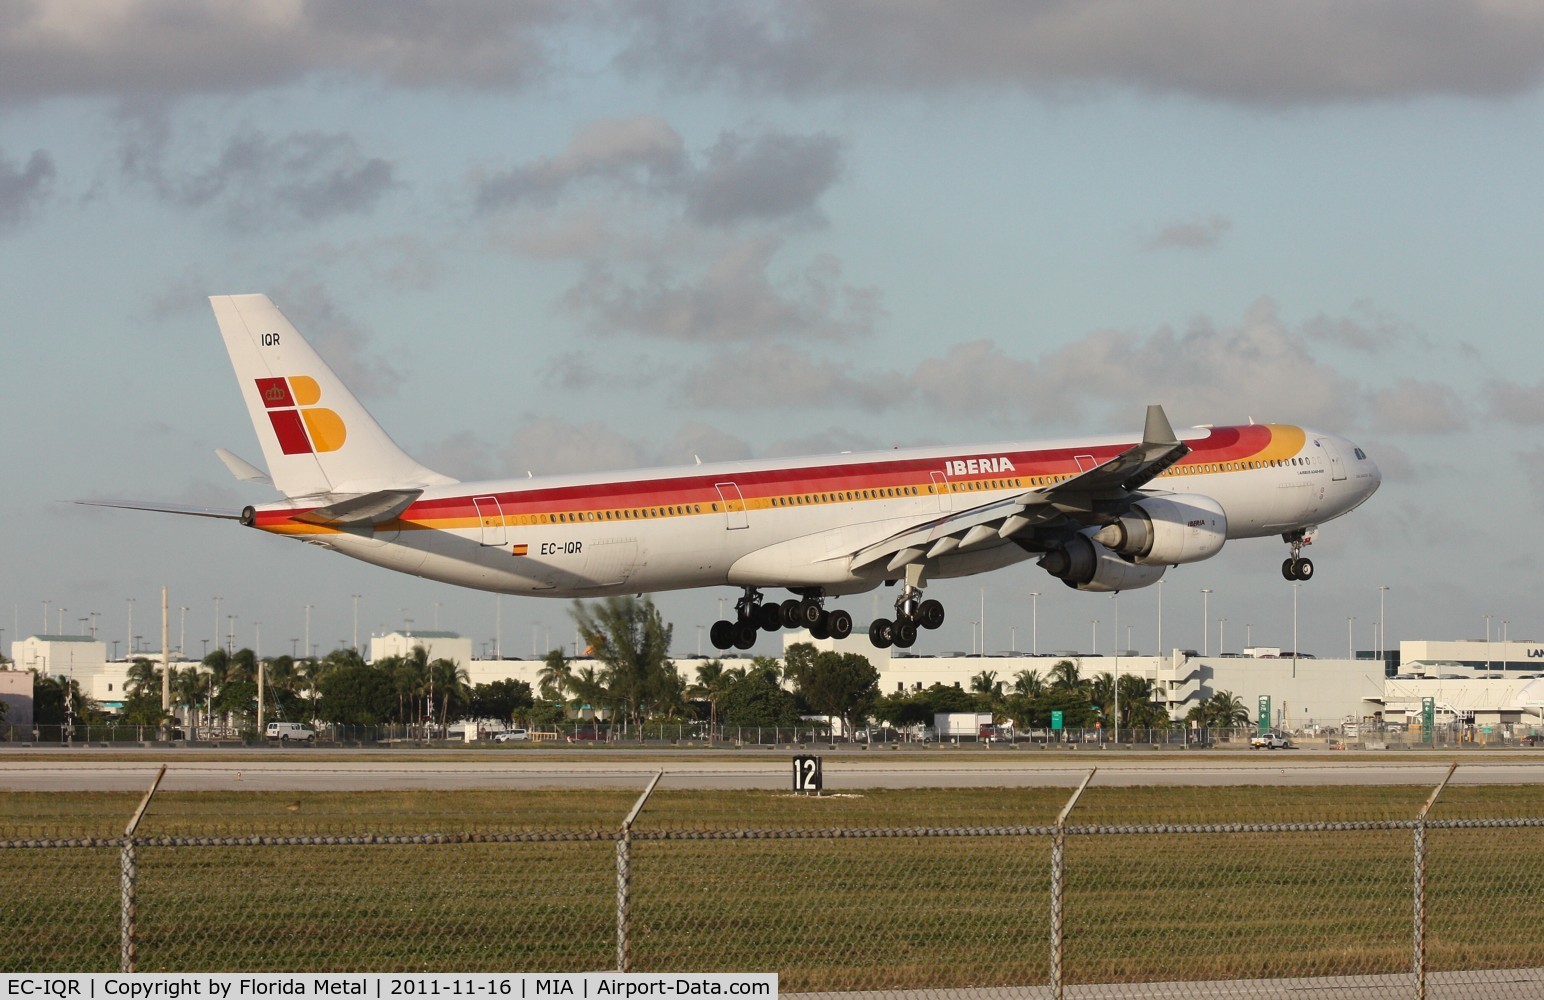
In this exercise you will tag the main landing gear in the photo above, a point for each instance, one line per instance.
(1298, 566)
(753, 615)
(911, 613)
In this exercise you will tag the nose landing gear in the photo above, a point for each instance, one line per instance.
(1297, 566)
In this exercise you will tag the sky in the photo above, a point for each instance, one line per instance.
(560, 236)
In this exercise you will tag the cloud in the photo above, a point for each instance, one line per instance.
(752, 378)
(1522, 405)
(162, 49)
(1412, 407)
(1275, 53)
(765, 177)
(1197, 234)
(23, 189)
(642, 153)
(256, 182)
(550, 446)
(771, 176)
(735, 300)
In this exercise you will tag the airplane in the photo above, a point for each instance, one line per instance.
(1101, 514)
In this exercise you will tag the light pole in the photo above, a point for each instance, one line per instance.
(356, 622)
(1222, 647)
(1383, 649)
(1206, 621)
(1487, 641)
(1115, 628)
(1350, 644)
(1034, 622)
(131, 626)
(182, 638)
(1094, 628)
(308, 631)
(983, 621)
(216, 624)
(1506, 657)
(1160, 618)
(1294, 628)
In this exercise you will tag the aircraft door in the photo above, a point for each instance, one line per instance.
(1337, 465)
(490, 516)
(941, 487)
(734, 506)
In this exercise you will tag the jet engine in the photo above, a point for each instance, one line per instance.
(1084, 564)
(1168, 531)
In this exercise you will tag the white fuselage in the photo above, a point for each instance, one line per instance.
(799, 523)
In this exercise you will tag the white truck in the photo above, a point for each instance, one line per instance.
(958, 725)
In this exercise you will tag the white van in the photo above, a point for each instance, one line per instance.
(288, 732)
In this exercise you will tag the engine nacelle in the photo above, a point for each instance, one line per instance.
(1084, 564)
(1168, 531)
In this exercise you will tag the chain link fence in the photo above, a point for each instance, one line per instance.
(1400, 907)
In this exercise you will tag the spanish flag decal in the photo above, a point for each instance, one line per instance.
(519, 550)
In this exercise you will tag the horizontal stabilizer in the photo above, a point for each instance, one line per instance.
(242, 469)
(368, 508)
(165, 508)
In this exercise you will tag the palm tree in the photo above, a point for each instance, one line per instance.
(448, 681)
(552, 680)
(1065, 676)
(713, 682)
(1224, 710)
(1028, 684)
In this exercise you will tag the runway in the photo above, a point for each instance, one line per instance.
(263, 769)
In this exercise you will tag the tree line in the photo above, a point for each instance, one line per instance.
(629, 676)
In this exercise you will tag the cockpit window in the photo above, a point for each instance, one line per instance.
(1361, 454)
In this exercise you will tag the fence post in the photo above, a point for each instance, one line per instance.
(128, 878)
(1058, 879)
(625, 880)
(1419, 931)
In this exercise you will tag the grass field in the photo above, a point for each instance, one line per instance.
(828, 912)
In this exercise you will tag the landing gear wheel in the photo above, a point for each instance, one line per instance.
(822, 628)
(882, 633)
(744, 635)
(810, 613)
(722, 634)
(1297, 569)
(789, 610)
(839, 623)
(930, 614)
(905, 635)
(769, 617)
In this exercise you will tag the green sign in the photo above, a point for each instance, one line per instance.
(1056, 719)
(1264, 721)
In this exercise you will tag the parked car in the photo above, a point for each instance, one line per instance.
(1270, 741)
(995, 734)
(511, 735)
(289, 732)
(585, 735)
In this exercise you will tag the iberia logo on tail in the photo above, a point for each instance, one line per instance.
(303, 428)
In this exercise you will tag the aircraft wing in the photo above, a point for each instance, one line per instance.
(1091, 497)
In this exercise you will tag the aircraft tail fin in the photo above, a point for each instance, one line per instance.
(317, 439)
